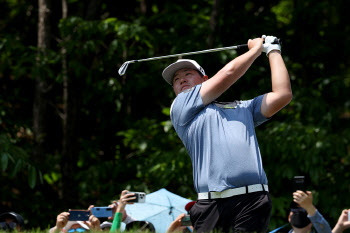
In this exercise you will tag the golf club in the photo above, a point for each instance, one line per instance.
(123, 68)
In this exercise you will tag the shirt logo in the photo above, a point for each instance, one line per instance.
(227, 105)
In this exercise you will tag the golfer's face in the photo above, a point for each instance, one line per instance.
(186, 79)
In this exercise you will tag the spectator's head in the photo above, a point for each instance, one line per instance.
(189, 206)
(106, 226)
(10, 221)
(76, 226)
(140, 226)
(298, 217)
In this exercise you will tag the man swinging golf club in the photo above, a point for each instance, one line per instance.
(220, 138)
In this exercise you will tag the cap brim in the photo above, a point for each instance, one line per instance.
(168, 73)
(71, 223)
(14, 215)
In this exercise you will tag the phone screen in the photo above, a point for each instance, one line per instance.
(186, 221)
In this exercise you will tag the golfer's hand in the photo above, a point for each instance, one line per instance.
(256, 43)
(305, 201)
(268, 46)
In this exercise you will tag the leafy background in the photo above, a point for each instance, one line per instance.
(113, 133)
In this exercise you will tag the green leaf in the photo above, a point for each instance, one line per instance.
(41, 177)
(17, 167)
(4, 160)
(31, 176)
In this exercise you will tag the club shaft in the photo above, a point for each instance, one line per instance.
(191, 53)
(123, 68)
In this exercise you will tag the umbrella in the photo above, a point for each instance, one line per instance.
(160, 208)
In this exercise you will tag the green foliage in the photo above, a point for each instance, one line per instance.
(14, 160)
(124, 137)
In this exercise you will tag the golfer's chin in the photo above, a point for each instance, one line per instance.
(179, 90)
(185, 88)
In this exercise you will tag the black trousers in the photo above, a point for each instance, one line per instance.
(242, 213)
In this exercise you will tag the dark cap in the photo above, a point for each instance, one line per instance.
(19, 219)
(294, 205)
(140, 226)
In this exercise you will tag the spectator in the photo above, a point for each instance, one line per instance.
(64, 225)
(125, 217)
(343, 222)
(106, 226)
(303, 215)
(176, 226)
(120, 212)
(140, 226)
(11, 221)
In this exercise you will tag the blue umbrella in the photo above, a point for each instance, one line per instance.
(160, 208)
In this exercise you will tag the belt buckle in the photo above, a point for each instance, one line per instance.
(214, 195)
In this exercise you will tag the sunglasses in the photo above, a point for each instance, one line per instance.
(5, 225)
(77, 230)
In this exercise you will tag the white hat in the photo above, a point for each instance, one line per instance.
(71, 223)
(105, 224)
(168, 73)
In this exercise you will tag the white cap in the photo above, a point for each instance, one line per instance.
(71, 223)
(105, 224)
(168, 73)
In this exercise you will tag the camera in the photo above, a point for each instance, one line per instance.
(140, 197)
(186, 221)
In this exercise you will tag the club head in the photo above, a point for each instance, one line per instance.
(123, 68)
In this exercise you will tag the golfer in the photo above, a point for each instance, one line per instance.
(228, 173)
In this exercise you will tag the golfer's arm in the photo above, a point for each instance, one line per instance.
(281, 93)
(228, 75)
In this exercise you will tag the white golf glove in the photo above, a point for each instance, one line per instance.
(268, 46)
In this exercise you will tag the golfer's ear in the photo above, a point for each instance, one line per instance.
(205, 77)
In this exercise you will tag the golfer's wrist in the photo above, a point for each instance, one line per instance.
(274, 52)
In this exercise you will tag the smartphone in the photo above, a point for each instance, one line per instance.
(299, 183)
(186, 221)
(140, 197)
(79, 215)
(102, 212)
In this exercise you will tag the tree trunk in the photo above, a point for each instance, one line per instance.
(213, 23)
(40, 114)
(92, 9)
(69, 117)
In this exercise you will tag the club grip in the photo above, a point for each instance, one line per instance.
(245, 46)
(277, 41)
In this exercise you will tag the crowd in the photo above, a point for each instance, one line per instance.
(303, 217)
